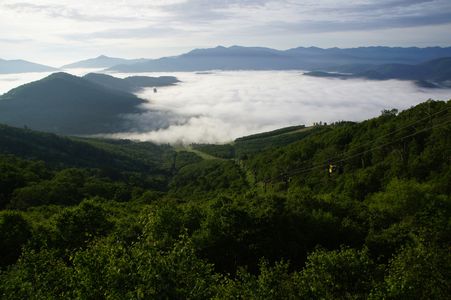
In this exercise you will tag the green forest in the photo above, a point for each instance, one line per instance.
(334, 211)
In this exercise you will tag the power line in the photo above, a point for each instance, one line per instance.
(321, 165)
(429, 117)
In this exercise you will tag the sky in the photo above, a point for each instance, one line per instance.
(56, 32)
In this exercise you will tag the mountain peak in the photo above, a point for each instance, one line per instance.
(60, 75)
(101, 61)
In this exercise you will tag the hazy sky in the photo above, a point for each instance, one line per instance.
(61, 31)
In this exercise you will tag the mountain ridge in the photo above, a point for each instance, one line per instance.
(131, 84)
(261, 58)
(22, 66)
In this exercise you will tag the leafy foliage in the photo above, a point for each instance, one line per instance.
(151, 222)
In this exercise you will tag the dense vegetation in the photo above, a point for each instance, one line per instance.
(152, 222)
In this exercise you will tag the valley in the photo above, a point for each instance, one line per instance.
(217, 207)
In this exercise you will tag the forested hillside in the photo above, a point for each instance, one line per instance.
(339, 211)
(66, 104)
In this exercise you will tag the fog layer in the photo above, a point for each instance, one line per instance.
(218, 107)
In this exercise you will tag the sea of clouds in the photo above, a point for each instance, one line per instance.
(219, 106)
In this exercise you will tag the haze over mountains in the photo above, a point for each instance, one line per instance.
(22, 66)
(258, 58)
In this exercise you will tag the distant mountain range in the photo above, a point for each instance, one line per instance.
(428, 66)
(67, 104)
(434, 73)
(253, 58)
(130, 84)
(101, 61)
(258, 58)
(22, 66)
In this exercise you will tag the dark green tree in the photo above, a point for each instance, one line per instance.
(15, 231)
